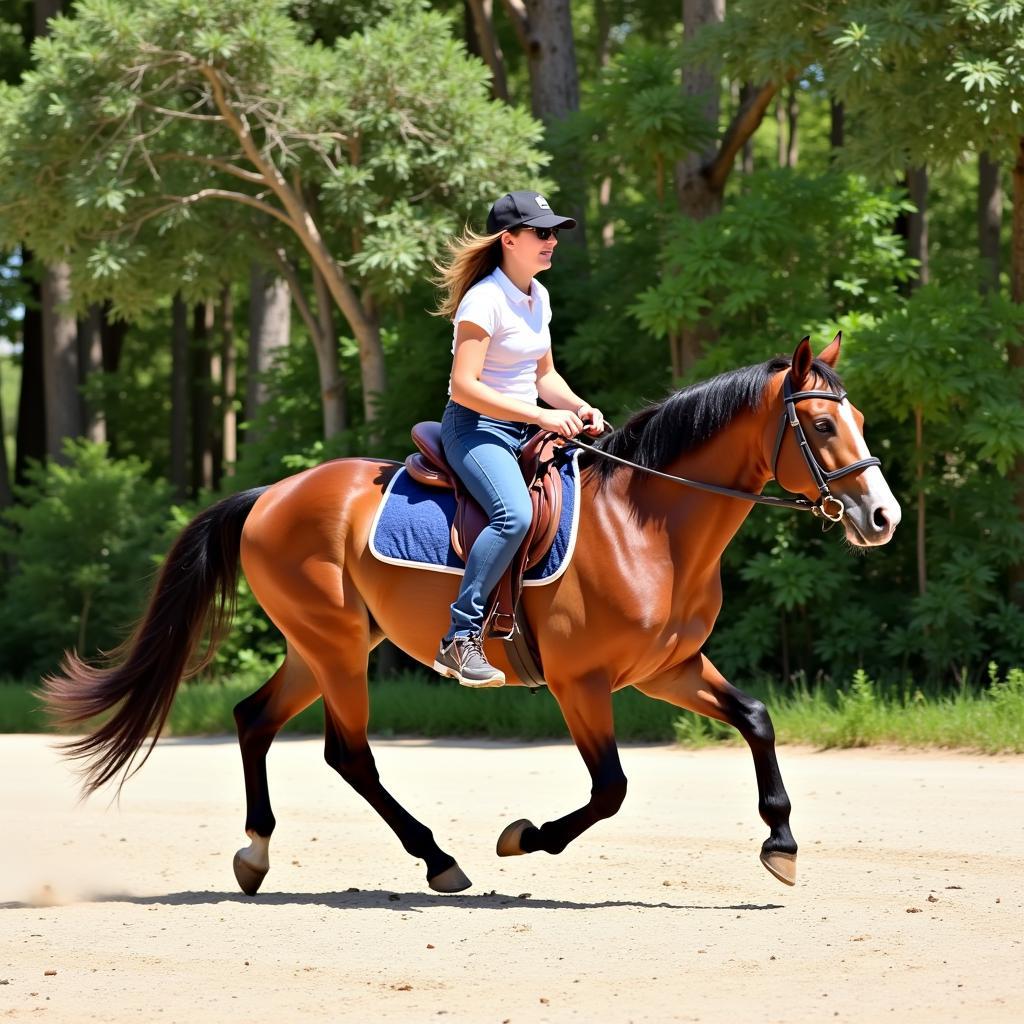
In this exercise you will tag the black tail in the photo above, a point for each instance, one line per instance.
(201, 571)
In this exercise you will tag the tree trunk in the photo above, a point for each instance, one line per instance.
(837, 129)
(201, 397)
(6, 497)
(544, 30)
(697, 199)
(780, 130)
(747, 161)
(215, 347)
(922, 563)
(90, 361)
(60, 361)
(179, 396)
(269, 331)
(332, 383)
(917, 222)
(792, 122)
(603, 26)
(1016, 353)
(112, 335)
(43, 11)
(604, 198)
(482, 14)
(990, 219)
(229, 384)
(371, 355)
(554, 84)
(696, 196)
(30, 440)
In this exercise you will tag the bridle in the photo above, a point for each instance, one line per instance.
(821, 476)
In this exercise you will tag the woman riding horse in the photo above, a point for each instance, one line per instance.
(634, 607)
(501, 364)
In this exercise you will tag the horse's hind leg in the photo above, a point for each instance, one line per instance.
(699, 686)
(259, 718)
(325, 620)
(347, 751)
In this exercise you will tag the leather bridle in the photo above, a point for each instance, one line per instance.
(821, 476)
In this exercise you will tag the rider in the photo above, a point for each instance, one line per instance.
(502, 363)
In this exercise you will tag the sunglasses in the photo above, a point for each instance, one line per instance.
(543, 233)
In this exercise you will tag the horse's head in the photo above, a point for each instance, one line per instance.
(834, 464)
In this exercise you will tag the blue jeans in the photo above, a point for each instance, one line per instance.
(484, 452)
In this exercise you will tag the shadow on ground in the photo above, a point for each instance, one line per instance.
(382, 899)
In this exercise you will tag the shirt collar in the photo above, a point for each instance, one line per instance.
(513, 293)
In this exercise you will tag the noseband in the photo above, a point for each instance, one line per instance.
(821, 476)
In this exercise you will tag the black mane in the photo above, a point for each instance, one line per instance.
(654, 436)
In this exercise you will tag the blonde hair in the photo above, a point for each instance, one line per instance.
(471, 257)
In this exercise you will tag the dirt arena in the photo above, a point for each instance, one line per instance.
(909, 905)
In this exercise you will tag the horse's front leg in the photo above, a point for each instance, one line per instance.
(587, 707)
(698, 686)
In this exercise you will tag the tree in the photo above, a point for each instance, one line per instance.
(61, 371)
(360, 156)
(269, 331)
(949, 74)
(701, 175)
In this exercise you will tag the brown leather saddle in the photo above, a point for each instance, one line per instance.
(537, 462)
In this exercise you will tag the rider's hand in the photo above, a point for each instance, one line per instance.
(560, 421)
(593, 419)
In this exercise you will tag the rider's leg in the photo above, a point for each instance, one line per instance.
(484, 453)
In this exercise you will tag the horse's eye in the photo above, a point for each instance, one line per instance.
(824, 426)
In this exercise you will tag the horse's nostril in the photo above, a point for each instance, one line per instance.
(880, 519)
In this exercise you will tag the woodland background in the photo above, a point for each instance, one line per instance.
(217, 222)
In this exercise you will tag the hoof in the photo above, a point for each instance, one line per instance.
(452, 879)
(249, 878)
(781, 865)
(508, 841)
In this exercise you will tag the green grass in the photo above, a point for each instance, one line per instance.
(990, 720)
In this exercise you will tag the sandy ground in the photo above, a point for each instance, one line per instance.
(908, 907)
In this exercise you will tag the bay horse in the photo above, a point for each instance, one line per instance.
(634, 608)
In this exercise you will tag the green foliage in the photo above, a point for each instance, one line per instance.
(636, 121)
(948, 73)
(790, 255)
(390, 156)
(85, 540)
(376, 109)
(633, 125)
(787, 252)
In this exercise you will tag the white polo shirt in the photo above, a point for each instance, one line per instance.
(518, 327)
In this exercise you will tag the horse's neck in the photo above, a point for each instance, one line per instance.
(689, 524)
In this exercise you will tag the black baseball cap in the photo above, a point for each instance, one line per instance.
(524, 209)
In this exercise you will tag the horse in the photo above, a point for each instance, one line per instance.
(634, 607)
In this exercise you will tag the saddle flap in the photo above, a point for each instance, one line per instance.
(425, 472)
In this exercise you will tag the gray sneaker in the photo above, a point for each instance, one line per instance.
(463, 659)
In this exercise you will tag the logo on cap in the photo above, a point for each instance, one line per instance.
(542, 203)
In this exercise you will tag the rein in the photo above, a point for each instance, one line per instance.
(821, 476)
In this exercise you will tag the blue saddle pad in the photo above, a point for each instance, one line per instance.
(413, 527)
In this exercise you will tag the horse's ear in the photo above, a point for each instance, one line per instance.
(803, 357)
(831, 353)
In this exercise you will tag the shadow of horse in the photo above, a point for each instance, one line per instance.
(382, 899)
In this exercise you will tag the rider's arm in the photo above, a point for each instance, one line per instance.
(553, 389)
(471, 341)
